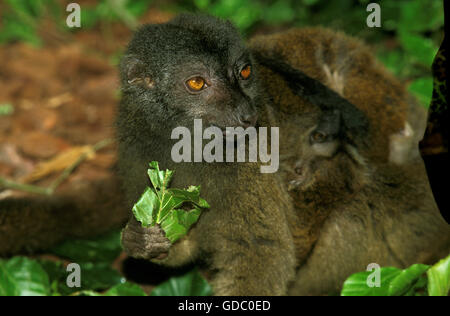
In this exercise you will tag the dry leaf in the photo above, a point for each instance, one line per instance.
(59, 100)
(59, 163)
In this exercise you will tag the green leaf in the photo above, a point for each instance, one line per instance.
(279, 12)
(419, 288)
(192, 194)
(242, 13)
(190, 284)
(421, 16)
(395, 61)
(99, 276)
(6, 109)
(202, 4)
(138, 8)
(126, 289)
(94, 276)
(420, 48)
(408, 282)
(309, 2)
(356, 284)
(168, 203)
(102, 249)
(94, 257)
(21, 276)
(406, 279)
(178, 222)
(14, 30)
(57, 276)
(189, 218)
(159, 179)
(87, 293)
(439, 278)
(144, 209)
(422, 88)
(160, 205)
(89, 17)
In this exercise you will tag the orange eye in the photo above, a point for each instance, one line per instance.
(196, 84)
(246, 72)
(318, 137)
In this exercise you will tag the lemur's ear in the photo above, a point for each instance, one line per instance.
(134, 72)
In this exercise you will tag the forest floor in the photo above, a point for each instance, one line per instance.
(63, 99)
(63, 96)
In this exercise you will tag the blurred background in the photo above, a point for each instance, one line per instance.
(61, 82)
(59, 85)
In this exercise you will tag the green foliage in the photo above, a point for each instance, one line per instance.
(20, 19)
(99, 276)
(20, 276)
(114, 10)
(94, 277)
(103, 249)
(413, 22)
(124, 289)
(6, 109)
(408, 281)
(439, 278)
(95, 257)
(245, 14)
(356, 285)
(159, 205)
(417, 280)
(190, 284)
(422, 89)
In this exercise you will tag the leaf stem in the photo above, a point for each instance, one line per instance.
(8, 184)
(24, 187)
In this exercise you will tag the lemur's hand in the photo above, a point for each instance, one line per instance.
(144, 243)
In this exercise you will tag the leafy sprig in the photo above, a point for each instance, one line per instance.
(161, 205)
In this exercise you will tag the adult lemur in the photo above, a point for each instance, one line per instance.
(258, 236)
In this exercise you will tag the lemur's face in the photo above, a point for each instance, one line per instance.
(313, 159)
(221, 93)
(320, 161)
(189, 77)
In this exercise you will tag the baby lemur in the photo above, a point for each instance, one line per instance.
(345, 196)
(350, 213)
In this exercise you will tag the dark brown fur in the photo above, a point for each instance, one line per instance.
(28, 225)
